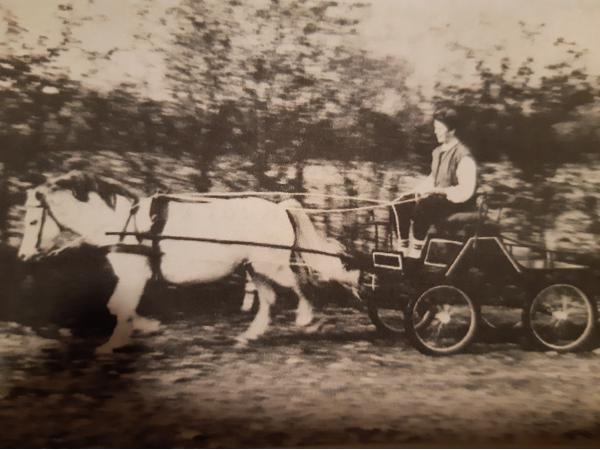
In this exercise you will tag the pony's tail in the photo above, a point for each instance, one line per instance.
(307, 237)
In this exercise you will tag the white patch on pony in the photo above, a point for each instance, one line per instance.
(91, 219)
(186, 262)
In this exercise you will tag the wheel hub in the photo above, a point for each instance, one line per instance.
(444, 317)
(560, 315)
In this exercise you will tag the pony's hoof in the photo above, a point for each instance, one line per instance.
(104, 350)
(241, 343)
(145, 325)
(111, 346)
(316, 327)
(303, 321)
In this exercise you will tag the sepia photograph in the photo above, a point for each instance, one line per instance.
(299, 223)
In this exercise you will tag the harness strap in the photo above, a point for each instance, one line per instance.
(137, 249)
(158, 216)
(38, 242)
(132, 215)
(50, 214)
(47, 212)
(159, 211)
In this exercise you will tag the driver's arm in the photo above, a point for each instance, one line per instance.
(466, 174)
(425, 186)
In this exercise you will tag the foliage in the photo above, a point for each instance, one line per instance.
(285, 78)
(534, 121)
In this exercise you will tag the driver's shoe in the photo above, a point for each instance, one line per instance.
(415, 249)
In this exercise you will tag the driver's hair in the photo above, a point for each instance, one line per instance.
(448, 117)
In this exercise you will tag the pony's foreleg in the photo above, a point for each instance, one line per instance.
(304, 312)
(132, 272)
(258, 327)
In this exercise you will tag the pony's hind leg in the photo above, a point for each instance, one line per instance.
(266, 298)
(249, 290)
(286, 277)
(305, 317)
(132, 272)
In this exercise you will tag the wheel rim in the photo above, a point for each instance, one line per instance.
(392, 319)
(561, 316)
(444, 319)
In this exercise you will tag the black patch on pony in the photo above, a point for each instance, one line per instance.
(82, 184)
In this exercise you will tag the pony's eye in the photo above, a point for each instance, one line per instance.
(33, 222)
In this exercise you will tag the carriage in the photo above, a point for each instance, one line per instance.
(436, 301)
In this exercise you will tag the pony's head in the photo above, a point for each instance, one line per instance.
(68, 207)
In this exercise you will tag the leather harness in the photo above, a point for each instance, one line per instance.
(159, 210)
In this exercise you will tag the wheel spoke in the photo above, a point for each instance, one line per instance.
(571, 320)
(453, 323)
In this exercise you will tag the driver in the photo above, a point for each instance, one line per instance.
(449, 188)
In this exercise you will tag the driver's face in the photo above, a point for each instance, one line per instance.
(442, 132)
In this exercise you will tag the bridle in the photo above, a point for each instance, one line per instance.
(47, 212)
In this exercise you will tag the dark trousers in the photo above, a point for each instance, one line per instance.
(426, 212)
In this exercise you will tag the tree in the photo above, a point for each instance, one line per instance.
(516, 111)
(278, 62)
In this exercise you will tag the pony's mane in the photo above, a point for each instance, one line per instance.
(82, 184)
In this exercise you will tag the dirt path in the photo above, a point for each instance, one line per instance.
(187, 387)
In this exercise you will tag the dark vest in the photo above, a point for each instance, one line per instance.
(444, 164)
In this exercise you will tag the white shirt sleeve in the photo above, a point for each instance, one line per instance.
(466, 174)
(425, 185)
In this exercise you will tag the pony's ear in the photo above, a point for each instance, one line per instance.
(109, 190)
(111, 200)
(82, 187)
(79, 184)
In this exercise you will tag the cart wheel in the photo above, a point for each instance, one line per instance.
(389, 321)
(453, 319)
(561, 318)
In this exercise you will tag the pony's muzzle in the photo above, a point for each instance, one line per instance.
(28, 257)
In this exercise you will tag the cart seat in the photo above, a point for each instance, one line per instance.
(464, 217)
(463, 225)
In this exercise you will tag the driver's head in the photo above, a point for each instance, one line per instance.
(445, 123)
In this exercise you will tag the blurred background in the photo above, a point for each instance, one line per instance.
(228, 95)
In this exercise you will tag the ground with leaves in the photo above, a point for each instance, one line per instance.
(187, 386)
